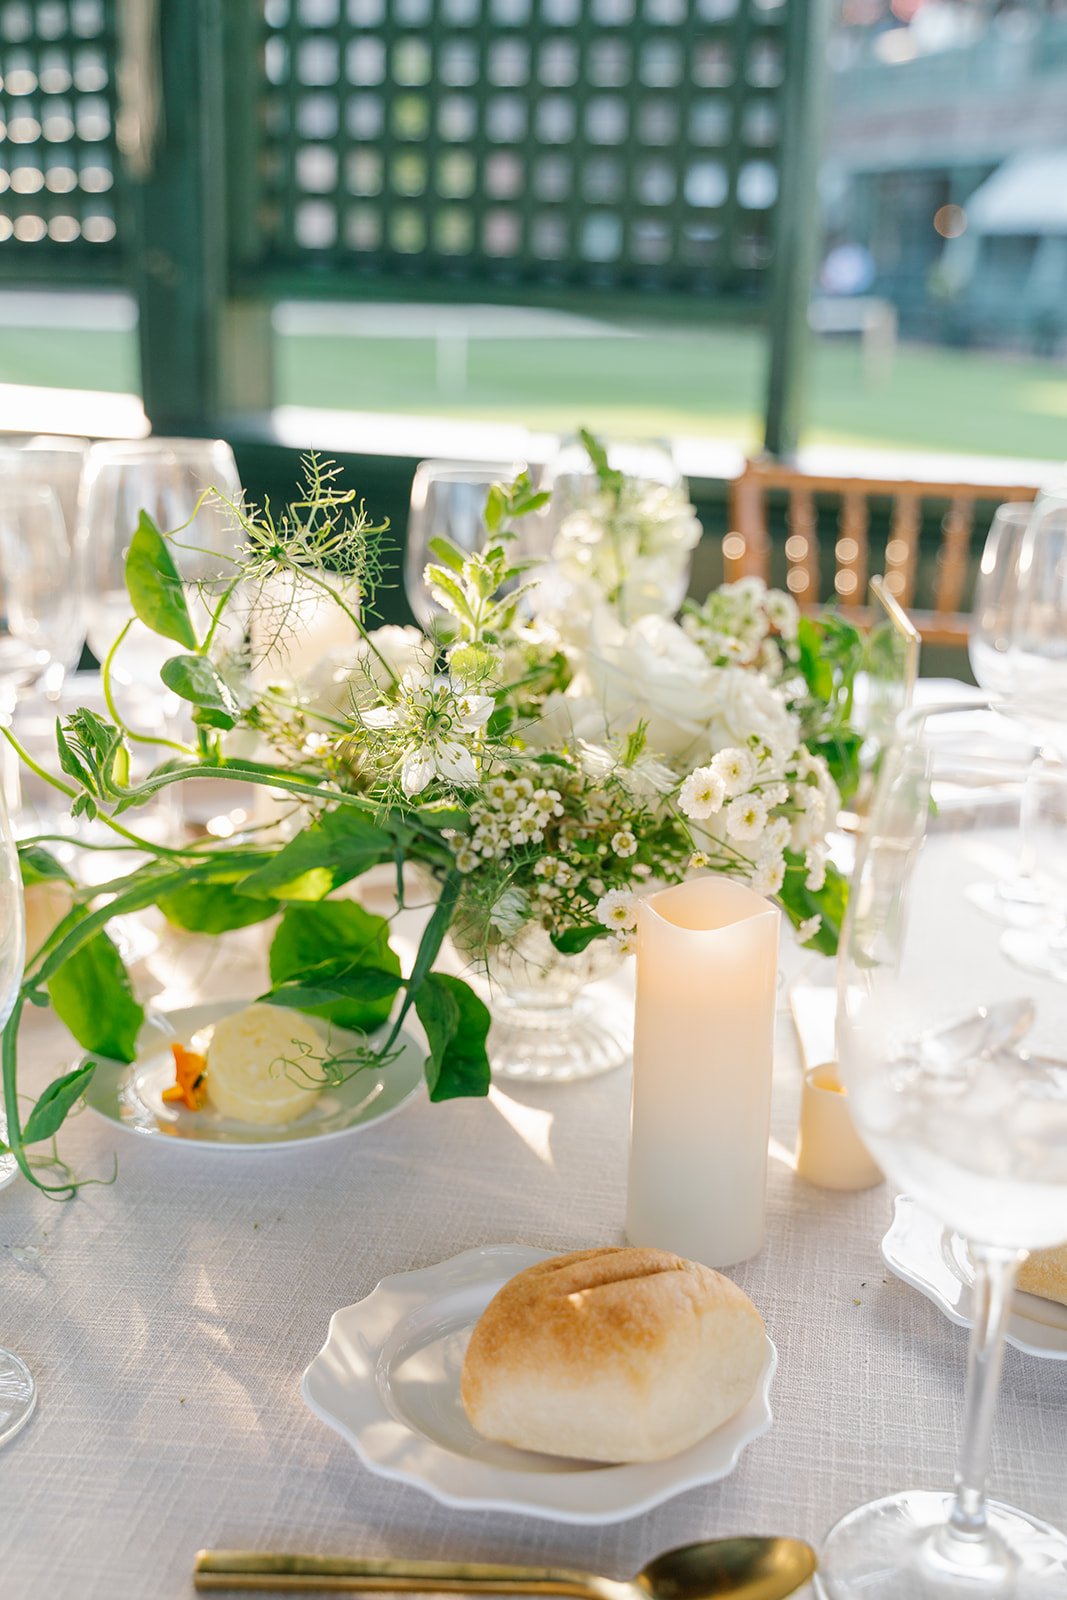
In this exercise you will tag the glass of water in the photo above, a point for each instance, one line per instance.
(956, 1073)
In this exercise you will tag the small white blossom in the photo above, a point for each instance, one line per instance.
(623, 843)
(736, 768)
(617, 909)
(815, 861)
(627, 943)
(702, 793)
(808, 928)
(768, 877)
(698, 859)
(746, 817)
(466, 860)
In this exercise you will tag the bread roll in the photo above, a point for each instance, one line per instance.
(1044, 1273)
(612, 1355)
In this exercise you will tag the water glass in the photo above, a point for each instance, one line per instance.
(448, 501)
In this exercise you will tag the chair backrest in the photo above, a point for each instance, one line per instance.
(901, 509)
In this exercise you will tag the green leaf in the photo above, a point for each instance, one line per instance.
(831, 903)
(457, 1025)
(193, 678)
(47, 1116)
(39, 865)
(338, 932)
(71, 763)
(214, 908)
(91, 993)
(818, 673)
(334, 850)
(496, 506)
(572, 941)
(356, 983)
(154, 583)
(447, 553)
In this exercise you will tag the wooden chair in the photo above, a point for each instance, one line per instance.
(967, 511)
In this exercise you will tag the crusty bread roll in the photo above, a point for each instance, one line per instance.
(1044, 1272)
(612, 1355)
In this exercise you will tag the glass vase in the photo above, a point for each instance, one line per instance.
(547, 1026)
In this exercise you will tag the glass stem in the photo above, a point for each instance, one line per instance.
(991, 1303)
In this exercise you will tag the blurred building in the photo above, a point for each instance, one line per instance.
(947, 161)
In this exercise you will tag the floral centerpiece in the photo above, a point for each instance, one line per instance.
(561, 746)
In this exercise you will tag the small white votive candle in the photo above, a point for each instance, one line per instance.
(707, 967)
(830, 1153)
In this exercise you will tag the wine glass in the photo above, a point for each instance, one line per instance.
(1037, 646)
(169, 479)
(18, 1392)
(40, 639)
(1024, 895)
(52, 459)
(963, 1103)
(447, 500)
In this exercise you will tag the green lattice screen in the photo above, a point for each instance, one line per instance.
(628, 144)
(57, 139)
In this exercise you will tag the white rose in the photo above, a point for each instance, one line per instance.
(346, 679)
(653, 672)
(745, 704)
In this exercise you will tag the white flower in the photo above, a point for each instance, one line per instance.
(777, 835)
(654, 672)
(510, 911)
(736, 769)
(627, 943)
(430, 717)
(617, 909)
(344, 680)
(466, 860)
(698, 859)
(623, 843)
(808, 928)
(746, 817)
(815, 861)
(768, 876)
(702, 793)
(782, 611)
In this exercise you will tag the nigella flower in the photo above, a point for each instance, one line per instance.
(438, 724)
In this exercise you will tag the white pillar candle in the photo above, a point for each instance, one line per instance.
(707, 966)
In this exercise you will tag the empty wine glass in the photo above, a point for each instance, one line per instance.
(18, 1392)
(169, 479)
(972, 1124)
(1024, 895)
(447, 501)
(1037, 650)
(40, 637)
(55, 460)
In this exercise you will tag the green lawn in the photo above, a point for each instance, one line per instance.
(676, 381)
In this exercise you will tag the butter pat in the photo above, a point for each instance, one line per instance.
(257, 1061)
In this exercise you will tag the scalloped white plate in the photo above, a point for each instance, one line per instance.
(934, 1260)
(387, 1380)
(132, 1096)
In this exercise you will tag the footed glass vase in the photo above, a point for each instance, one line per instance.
(547, 1028)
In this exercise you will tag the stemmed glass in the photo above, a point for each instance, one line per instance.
(168, 478)
(41, 636)
(1023, 896)
(447, 500)
(959, 1113)
(18, 1392)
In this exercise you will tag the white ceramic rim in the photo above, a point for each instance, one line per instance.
(387, 1444)
(918, 1250)
(109, 1076)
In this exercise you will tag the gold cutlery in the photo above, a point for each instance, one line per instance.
(744, 1569)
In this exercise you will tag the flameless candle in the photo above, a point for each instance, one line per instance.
(707, 964)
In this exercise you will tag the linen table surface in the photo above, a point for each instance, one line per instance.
(168, 1318)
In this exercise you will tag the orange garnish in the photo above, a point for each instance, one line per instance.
(189, 1070)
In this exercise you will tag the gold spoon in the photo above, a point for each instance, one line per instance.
(745, 1569)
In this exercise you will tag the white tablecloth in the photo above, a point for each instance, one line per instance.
(168, 1319)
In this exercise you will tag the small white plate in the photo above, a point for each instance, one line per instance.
(132, 1096)
(934, 1260)
(387, 1379)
